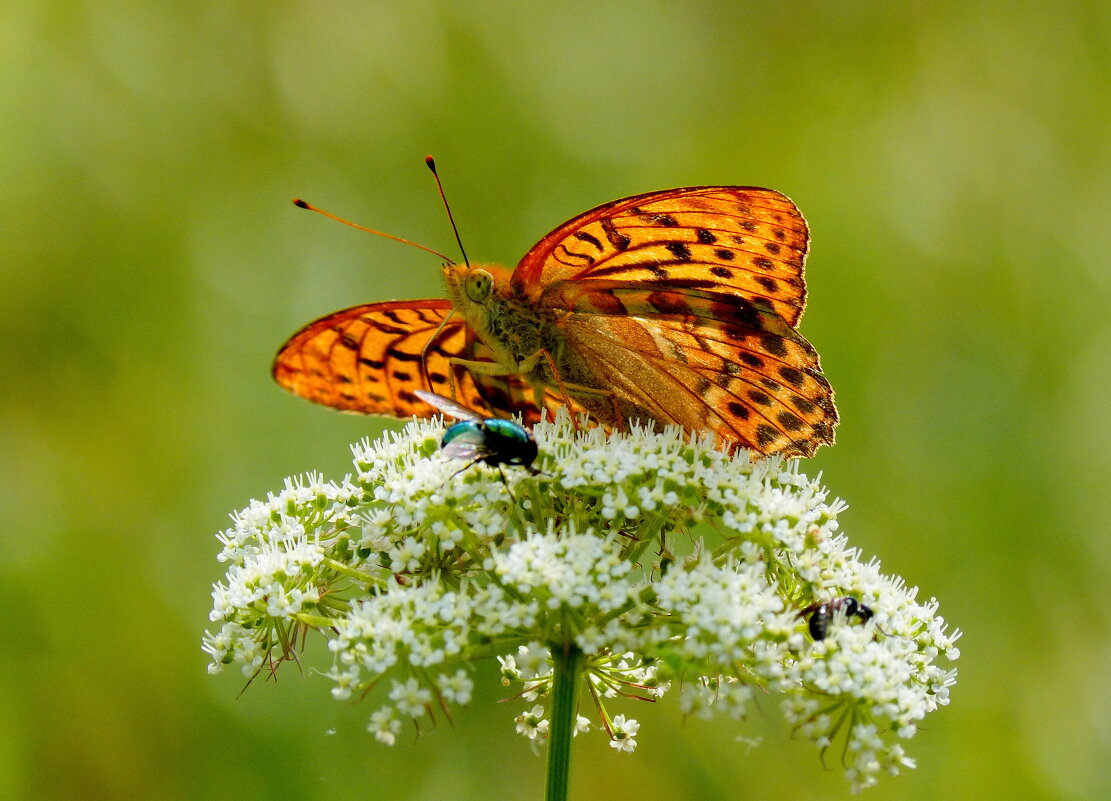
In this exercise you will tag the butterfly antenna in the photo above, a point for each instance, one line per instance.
(431, 162)
(302, 204)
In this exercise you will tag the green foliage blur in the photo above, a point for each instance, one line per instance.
(952, 158)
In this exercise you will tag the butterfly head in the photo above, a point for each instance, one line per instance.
(477, 284)
(471, 284)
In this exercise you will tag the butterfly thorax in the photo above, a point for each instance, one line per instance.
(508, 325)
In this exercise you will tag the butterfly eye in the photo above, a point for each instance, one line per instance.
(477, 285)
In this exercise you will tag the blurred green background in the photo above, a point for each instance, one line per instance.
(953, 160)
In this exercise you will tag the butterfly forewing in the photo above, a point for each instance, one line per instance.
(735, 239)
(368, 359)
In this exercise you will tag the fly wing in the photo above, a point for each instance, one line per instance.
(468, 444)
(448, 406)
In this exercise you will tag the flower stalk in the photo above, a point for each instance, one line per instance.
(567, 662)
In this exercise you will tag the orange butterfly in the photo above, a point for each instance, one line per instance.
(673, 307)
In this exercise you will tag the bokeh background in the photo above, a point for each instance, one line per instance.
(953, 159)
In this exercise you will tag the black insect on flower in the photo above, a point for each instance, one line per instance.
(821, 615)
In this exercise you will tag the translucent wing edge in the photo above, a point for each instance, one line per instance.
(448, 406)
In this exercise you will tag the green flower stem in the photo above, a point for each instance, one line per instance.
(567, 668)
(347, 570)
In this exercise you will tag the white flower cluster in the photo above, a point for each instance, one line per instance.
(658, 557)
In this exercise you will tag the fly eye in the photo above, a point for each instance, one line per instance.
(478, 284)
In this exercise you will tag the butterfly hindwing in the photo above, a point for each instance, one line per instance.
(702, 375)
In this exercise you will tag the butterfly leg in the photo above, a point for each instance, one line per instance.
(524, 368)
(480, 368)
(582, 389)
(424, 353)
(528, 365)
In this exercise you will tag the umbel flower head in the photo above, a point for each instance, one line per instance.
(667, 563)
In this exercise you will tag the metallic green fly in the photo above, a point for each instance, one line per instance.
(489, 440)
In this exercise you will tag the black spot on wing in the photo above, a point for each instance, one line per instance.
(584, 236)
(773, 344)
(615, 237)
(738, 410)
(402, 356)
(789, 421)
(766, 435)
(389, 329)
(572, 258)
(679, 250)
(759, 397)
(791, 375)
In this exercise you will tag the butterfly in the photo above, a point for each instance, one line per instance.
(492, 441)
(676, 307)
